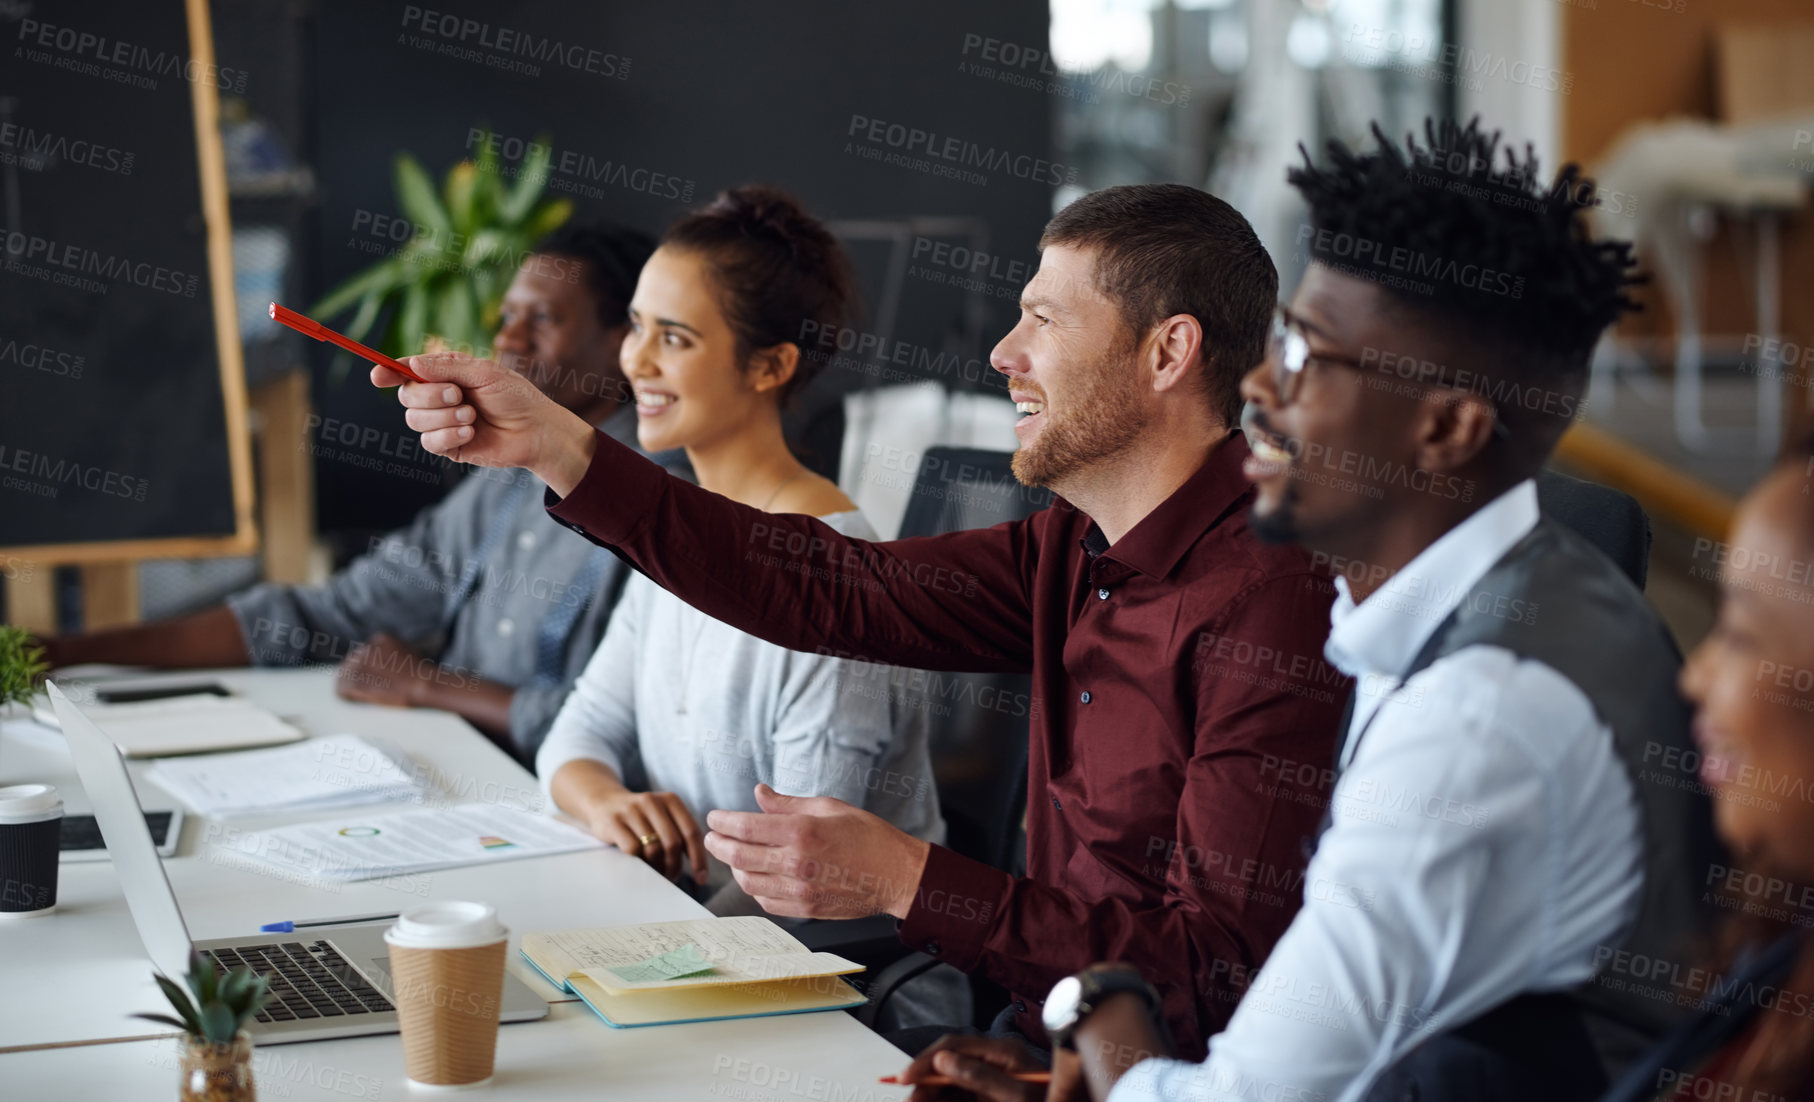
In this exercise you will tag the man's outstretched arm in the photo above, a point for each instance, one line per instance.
(951, 602)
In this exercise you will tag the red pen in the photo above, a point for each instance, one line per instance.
(947, 1081)
(308, 327)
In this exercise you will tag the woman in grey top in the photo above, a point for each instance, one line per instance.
(676, 713)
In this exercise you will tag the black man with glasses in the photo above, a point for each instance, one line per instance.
(1503, 857)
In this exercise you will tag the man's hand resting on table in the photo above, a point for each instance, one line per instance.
(382, 670)
(481, 412)
(818, 857)
(984, 1068)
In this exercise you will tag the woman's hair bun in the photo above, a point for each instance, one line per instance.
(780, 275)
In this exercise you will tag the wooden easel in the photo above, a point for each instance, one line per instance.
(286, 516)
(109, 569)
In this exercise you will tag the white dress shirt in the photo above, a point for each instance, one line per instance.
(1485, 840)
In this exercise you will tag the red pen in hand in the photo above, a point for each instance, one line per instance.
(308, 327)
(947, 1081)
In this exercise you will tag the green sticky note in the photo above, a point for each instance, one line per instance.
(671, 965)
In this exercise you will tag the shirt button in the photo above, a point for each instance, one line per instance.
(1102, 594)
(1056, 805)
(525, 540)
(506, 627)
(932, 948)
(1084, 696)
(1020, 1007)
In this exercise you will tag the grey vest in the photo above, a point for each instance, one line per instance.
(1555, 599)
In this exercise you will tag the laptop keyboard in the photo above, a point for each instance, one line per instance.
(307, 981)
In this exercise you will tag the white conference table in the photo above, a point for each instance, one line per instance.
(69, 980)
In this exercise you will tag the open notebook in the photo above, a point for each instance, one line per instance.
(660, 973)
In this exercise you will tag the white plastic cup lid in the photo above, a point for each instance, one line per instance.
(29, 803)
(447, 926)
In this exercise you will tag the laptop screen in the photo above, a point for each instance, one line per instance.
(122, 822)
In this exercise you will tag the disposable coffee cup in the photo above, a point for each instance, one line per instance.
(447, 972)
(31, 819)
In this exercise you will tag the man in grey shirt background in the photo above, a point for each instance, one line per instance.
(483, 605)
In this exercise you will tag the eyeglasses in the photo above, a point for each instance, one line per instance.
(1288, 351)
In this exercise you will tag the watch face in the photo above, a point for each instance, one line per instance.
(1061, 1003)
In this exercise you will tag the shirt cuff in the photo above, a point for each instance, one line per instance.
(1143, 1083)
(618, 494)
(955, 908)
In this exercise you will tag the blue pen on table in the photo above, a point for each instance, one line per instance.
(344, 920)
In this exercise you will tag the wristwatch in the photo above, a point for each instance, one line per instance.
(1075, 998)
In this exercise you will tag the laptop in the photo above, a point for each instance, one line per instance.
(333, 981)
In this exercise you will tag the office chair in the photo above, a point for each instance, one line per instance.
(979, 754)
(1612, 521)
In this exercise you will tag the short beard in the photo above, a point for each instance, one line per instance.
(1106, 420)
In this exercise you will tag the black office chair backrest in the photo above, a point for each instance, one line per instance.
(1612, 521)
(979, 721)
(960, 488)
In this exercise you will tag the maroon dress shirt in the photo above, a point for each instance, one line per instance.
(1182, 722)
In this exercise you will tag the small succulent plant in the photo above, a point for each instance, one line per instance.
(222, 1004)
(22, 665)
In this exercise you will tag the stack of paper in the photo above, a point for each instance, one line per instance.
(342, 771)
(404, 842)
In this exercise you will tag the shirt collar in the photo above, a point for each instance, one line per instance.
(1156, 544)
(1382, 634)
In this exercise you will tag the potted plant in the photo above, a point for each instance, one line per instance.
(22, 667)
(217, 1052)
(449, 278)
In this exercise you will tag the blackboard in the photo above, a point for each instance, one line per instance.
(122, 394)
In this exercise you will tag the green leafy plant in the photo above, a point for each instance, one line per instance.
(449, 278)
(22, 665)
(222, 1004)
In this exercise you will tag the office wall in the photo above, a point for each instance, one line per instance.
(1653, 59)
(679, 99)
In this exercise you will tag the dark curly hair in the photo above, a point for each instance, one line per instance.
(612, 257)
(775, 269)
(1480, 250)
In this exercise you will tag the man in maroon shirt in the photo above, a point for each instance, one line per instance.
(1176, 660)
